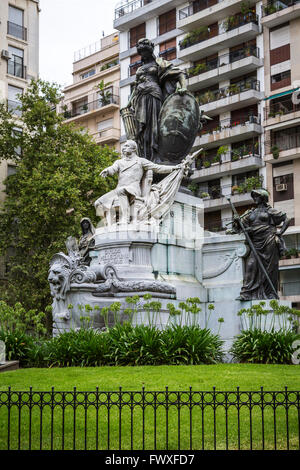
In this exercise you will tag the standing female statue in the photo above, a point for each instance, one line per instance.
(86, 241)
(156, 79)
(262, 225)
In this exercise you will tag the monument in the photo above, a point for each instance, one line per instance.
(150, 237)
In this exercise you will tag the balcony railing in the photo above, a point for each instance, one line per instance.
(192, 39)
(277, 5)
(282, 142)
(290, 288)
(281, 107)
(126, 8)
(17, 31)
(14, 107)
(92, 106)
(225, 92)
(231, 123)
(222, 60)
(196, 7)
(16, 69)
(245, 152)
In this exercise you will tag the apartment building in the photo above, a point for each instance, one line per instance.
(220, 47)
(92, 101)
(281, 23)
(19, 61)
(241, 61)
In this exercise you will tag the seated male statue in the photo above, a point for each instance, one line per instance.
(131, 170)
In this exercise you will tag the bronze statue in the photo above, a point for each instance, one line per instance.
(260, 226)
(86, 241)
(156, 79)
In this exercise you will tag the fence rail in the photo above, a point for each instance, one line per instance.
(140, 420)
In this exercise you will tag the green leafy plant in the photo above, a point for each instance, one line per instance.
(275, 151)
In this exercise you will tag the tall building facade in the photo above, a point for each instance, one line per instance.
(92, 101)
(281, 23)
(225, 48)
(19, 61)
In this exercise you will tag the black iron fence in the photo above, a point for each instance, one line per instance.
(230, 90)
(230, 123)
(140, 420)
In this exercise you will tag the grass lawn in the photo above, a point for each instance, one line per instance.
(154, 426)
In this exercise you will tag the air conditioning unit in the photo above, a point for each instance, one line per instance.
(6, 54)
(281, 187)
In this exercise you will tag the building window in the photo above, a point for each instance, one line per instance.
(13, 101)
(103, 126)
(15, 24)
(80, 106)
(280, 80)
(283, 188)
(167, 22)
(280, 54)
(137, 33)
(108, 65)
(90, 73)
(167, 49)
(135, 62)
(15, 66)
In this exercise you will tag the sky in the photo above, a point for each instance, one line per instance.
(67, 26)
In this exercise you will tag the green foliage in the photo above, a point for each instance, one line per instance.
(18, 345)
(120, 345)
(56, 182)
(19, 319)
(267, 336)
(264, 347)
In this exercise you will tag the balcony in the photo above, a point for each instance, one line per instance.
(290, 290)
(196, 46)
(286, 147)
(190, 17)
(229, 130)
(225, 67)
(16, 69)
(107, 136)
(17, 31)
(276, 12)
(130, 14)
(229, 164)
(230, 98)
(217, 199)
(281, 110)
(92, 107)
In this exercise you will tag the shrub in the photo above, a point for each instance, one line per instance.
(18, 345)
(267, 336)
(264, 347)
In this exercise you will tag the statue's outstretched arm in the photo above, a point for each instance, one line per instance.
(111, 170)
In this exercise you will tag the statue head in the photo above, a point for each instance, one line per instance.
(260, 194)
(58, 277)
(87, 226)
(129, 149)
(145, 48)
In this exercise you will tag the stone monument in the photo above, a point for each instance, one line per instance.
(150, 239)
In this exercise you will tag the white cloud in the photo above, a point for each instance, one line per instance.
(67, 26)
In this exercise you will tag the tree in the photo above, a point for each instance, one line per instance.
(56, 182)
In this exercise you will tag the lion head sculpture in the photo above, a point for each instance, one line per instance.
(59, 276)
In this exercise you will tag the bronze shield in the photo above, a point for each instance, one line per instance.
(178, 127)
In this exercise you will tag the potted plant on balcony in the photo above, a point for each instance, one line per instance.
(222, 151)
(197, 69)
(233, 89)
(206, 163)
(204, 196)
(275, 151)
(236, 155)
(234, 189)
(194, 188)
(105, 95)
(293, 253)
